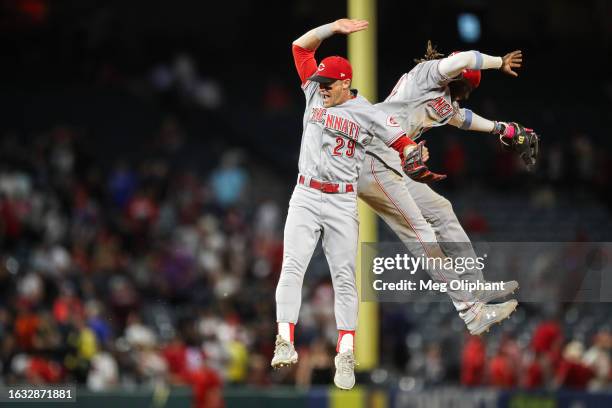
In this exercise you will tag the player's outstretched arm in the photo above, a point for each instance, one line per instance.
(467, 120)
(453, 65)
(304, 47)
(313, 38)
(522, 140)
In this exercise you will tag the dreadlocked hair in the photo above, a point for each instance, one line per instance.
(430, 54)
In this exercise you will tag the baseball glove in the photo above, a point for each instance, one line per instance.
(415, 168)
(524, 141)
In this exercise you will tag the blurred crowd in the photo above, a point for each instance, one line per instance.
(141, 270)
(577, 162)
(548, 362)
(127, 272)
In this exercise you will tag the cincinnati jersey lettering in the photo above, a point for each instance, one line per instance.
(441, 106)
(342, 125)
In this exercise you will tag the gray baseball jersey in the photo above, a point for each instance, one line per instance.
(417, 214)
(419, 101)
(334, 139)
(333, 150)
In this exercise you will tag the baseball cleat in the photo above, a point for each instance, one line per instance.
(486, 296)
(489, 315)
(345, 370)
(284, 353)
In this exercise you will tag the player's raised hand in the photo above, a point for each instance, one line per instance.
(512, 60)
(349, 26)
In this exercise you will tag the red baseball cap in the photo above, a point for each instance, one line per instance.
(332, 69)
(472, 76)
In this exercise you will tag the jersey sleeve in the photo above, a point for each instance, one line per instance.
(467, 120)
(462, 118)
(385, 127)
(305, 62)
(428, 76)
(306, 65)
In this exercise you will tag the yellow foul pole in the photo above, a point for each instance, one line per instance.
(362, 54)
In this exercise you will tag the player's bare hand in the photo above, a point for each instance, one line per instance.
(425, 153)
(510, 61)
(349, 26)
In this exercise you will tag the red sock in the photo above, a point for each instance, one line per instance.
(341, 334)
(285, 329)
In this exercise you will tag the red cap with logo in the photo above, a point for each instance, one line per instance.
(332, 69)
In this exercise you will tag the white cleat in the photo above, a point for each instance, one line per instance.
(345, 370)
(489, 315)
(284, 353)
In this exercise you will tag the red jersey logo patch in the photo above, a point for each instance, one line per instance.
(392, 122)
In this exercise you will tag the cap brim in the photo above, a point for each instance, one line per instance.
(321, 79)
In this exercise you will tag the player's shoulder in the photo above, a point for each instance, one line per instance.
(362, 101)
(309, 85)
(358, 103)
(363, 110)
(425, 65)
(310, 91)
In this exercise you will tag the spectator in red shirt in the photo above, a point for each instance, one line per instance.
(501, 374)
(539, 372)
(547, 337)
(187, 366)
(26, 327)
(571, 372)
(473, 362)
(43, 371)
(175, 355)
(67, 305)
(10, 224)
(207, 388)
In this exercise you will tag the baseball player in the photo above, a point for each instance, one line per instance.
(426, 97)
(337, 125)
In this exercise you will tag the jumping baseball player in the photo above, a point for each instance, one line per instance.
(337, 126)
(427, 97)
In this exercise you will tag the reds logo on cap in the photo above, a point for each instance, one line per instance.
(332, 69)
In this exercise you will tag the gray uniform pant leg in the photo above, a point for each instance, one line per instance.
(438, 211)
(302, 232)
(386, 193)
(340, 243)
(312, 213)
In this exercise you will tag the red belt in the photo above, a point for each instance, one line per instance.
(326, 187)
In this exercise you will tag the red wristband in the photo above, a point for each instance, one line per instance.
(401, 143)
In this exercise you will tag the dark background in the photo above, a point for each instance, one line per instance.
(97, 57)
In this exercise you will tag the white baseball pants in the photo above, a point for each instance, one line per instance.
(313, 214)
(423, 220)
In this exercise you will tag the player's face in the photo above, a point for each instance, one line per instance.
(460, 90)
(335, 93)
